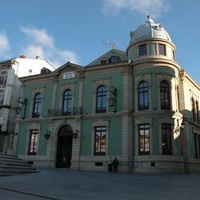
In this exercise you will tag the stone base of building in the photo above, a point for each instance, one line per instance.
(141, 164)
(38, 161)
(159, 164)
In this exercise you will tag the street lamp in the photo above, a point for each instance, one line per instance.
(182, 125)
(75, 134)
(113, 99)
(18, 109)
(47, 135)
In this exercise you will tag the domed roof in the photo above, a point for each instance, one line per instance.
(149, 30)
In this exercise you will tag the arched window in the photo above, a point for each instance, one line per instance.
(143, 95)
(197, 109)
(193, 109)
(67, 102)
(37, 105)
(178, 97)
(164, 96)
(101, 99)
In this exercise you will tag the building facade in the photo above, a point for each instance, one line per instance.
(138, 105)
(10, 71)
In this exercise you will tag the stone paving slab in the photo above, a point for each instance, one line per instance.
(64, 184)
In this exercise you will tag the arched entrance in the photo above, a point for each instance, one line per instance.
(64, 147)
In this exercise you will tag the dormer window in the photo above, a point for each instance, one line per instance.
(142, 50)
(162, 49)
(114, 59)
(44, 71)
(104, 61)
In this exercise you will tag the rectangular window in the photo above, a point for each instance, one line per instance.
(166, 139)
(1, 99)
(197, 145)
(144, 139)
(197, 111)
(100, 140)
(142, 50)
(143, 96)
(33, 142)
(3, 79)
(173, 53)
(162, 49)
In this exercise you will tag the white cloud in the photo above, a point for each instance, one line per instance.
(39, 36)
(152, 7)
(4, 45)
(40, 43)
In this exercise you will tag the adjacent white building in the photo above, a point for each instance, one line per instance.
(10, 71)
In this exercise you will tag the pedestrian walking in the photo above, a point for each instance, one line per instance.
(110, 164)
(115, 164)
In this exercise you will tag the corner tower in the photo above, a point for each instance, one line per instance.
(156, 112)
(150, 40)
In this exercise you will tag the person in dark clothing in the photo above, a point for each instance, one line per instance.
(115, 164)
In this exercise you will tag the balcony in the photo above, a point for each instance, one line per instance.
(61, 112)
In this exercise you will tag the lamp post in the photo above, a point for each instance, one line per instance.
(113, 99)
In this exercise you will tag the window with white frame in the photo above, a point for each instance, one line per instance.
(143, 95)
(166, 139)
(197, 109)
(193, 109)
(67, 102)
(100, 140)
(101, 99)
(144, 139)
(164, 96)
(3, 79)
(37, 105)
(143, 50)
(33, 142)
(162, 49)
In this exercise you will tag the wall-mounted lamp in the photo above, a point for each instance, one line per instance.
(113, 99)
(47, 135)
(182, 125)
(18, 109)
(177, 129)
(3, 132)
(75, 134)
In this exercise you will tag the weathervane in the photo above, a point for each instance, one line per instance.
(111, 44)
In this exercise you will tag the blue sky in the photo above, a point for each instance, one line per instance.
(78, 30)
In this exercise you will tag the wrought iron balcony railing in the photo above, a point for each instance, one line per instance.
(66, 112)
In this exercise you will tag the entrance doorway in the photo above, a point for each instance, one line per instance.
(64, 147)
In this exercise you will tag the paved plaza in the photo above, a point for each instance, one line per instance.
(63, 184)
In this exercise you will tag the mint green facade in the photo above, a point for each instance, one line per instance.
(133, 105)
